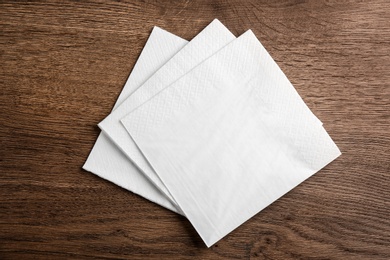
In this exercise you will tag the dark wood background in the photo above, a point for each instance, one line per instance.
(63, 64)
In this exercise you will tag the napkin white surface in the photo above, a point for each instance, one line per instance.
(105, 159)
(230, 137)
(211, 39)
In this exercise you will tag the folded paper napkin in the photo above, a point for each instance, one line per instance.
(106, 160)
(219, 131)
(211, 39)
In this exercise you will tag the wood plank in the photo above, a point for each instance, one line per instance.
(63, 65)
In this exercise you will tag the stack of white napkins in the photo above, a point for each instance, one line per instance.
(211, 129)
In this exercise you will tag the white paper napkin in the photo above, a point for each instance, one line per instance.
(211, 39)
(105, 159)
(230, 137)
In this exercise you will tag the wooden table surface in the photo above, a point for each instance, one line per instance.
(63, 64)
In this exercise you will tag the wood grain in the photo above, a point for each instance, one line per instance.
(63, 64)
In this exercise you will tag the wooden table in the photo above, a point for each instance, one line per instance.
(62, 67)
